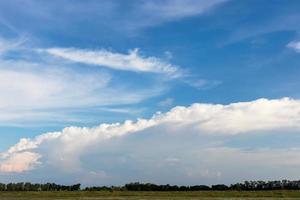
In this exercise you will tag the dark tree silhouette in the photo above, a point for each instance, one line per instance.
(247, 185)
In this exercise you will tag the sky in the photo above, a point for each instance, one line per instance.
(162, 91)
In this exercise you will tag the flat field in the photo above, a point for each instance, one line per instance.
(151, 195)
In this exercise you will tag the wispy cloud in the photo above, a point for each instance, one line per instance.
(12, 44)
(152, 13)
(166, 102)
(118, 61)
(101, 15)
(36, 90)
(132, 61)
(168, 10)
(123, 110)
(202, 84)
(40, 87)
(37, 93)
(282, 18)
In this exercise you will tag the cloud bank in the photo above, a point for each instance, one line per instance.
(191, 140)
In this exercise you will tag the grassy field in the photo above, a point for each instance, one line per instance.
(150, 195)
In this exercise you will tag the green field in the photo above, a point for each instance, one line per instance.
(151, 195)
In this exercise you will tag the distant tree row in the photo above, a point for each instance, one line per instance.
(247, 185)
(37, 187)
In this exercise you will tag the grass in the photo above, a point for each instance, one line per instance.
(82, 195)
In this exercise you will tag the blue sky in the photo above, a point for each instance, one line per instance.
(77, 71)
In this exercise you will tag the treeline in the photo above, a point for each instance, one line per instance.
(247, 186)
(38, 187)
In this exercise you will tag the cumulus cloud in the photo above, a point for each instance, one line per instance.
(190, 139)
(20, 162)
(128, 62)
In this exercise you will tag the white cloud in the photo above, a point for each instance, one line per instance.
(20, 162)
(295, 45)
(132, 61)
(128, 62)
(188, 138)
(236, 118)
